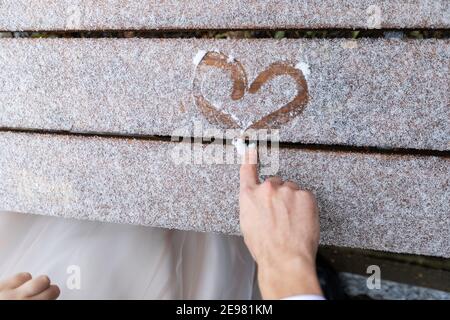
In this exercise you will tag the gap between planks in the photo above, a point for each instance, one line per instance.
(407, 33)
(336, 148)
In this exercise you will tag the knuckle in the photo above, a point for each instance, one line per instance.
(310, 194)
(44, 280)
(23, 276)
(307, 195)
(287, 191)
(246, 190)
(268, 186)
(292, 185)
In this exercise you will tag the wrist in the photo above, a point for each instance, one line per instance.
(288, 278)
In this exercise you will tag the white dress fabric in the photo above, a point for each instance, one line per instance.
(125, 262)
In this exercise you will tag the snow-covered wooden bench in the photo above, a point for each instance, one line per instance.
(85, 124)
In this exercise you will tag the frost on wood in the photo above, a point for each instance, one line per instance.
(221, 14)
(304, 67)
(370, 92)
(381, 202)
(199, 57)
(241, 146)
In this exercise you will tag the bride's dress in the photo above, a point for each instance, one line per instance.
(125, 262)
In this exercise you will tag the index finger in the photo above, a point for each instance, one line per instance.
(249, 171)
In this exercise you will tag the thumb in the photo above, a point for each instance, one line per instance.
(249, 171)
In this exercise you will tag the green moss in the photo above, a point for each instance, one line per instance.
(280, 34)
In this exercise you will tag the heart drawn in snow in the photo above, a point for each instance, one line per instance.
(217, 116)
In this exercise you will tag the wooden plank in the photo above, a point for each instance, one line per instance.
(372, 92)
(221, 14)
(380, 202)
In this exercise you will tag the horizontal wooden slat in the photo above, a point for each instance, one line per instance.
(221, 14)
(382, 202)
(367, 93)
